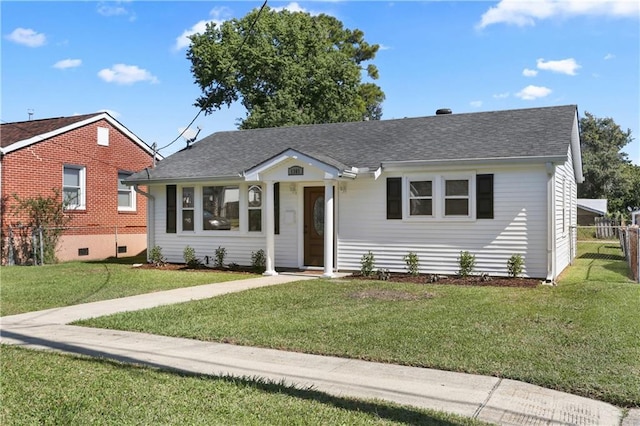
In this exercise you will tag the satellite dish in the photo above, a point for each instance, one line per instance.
(189, 134)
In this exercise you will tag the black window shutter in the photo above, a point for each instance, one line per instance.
(276, 208)
(484, 196)
(171, 209)
(394, 198)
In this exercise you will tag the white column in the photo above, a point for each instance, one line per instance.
(328, 229)
(270, 234)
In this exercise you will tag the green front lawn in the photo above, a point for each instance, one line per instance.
(582, 336)
(33, 288)
(54, 389)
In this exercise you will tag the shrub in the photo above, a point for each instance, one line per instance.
(467, 262)
(367, 262)
(221, 253)
(42, 221)
(258, 261)
(514, 265)
(156, 257)
(189, 255)
(413, 263)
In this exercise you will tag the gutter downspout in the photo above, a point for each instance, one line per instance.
(151, 237)
(551, 227)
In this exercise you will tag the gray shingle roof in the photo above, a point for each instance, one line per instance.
(521, 133)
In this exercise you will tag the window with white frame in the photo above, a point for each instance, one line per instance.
(74, 187)
(255, 208)
(221, 208)
(126, 194)
(445, 196)
(420, 198)
(456, 197)
(187, 207)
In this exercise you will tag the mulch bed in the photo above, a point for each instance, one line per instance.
(455, 280)
(393, 276)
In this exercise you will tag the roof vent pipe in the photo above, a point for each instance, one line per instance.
(443, 111)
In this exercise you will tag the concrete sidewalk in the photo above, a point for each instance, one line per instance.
(500, 401)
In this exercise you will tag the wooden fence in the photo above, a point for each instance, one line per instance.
(606, 228)
(630, 242)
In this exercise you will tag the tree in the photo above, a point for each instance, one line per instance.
(607, 171)
(293, 69)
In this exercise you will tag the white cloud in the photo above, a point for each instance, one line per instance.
(383, 47)
(126, 74)
(476, 104)
(526, 13)
(501, 95)
(529, 73)
(533, 92)
(609, 56)
(27, 37)
(291, 7)
(67, 63)
(218, 15)
(115, 8)
(563, 66)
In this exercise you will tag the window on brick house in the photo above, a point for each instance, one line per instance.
(74, 187)
(126, 194)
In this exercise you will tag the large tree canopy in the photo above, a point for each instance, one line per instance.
(293, 69)
(607, 170)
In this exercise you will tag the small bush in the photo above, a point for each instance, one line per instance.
(413, 263)
(221, 253)
(258, 261)
(467, 262)
(515, 265)
(367, 263)
(156, 257)
(189, 255)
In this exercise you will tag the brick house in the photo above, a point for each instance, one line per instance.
(84, 158)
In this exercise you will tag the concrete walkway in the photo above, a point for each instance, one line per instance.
(500, 401)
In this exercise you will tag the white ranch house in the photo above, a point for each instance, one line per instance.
(321, 196)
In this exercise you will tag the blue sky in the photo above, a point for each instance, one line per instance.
(129, 58)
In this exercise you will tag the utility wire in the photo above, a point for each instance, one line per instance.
(155, 151)
(235, 57)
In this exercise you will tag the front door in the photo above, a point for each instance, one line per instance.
(314, 226)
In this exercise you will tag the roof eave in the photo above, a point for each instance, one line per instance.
(160, 181)
(391, 165)
(97, 117)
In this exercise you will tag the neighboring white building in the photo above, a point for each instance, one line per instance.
(321, 196)
(589, 209)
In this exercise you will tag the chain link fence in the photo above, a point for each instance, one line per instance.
(26, 245)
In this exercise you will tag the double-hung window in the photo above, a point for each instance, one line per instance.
(126, 194)
(188, 201)
(421, 198)
(446, 196)
(74, 187)
(456, 197)
(255, 208)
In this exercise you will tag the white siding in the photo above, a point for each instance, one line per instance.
(238, 245)
(519, 226)
(565, 196)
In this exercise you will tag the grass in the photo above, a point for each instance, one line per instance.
(33, 288)
(580, 337)
(50, 388)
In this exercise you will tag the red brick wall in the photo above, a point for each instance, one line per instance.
(36, 169)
